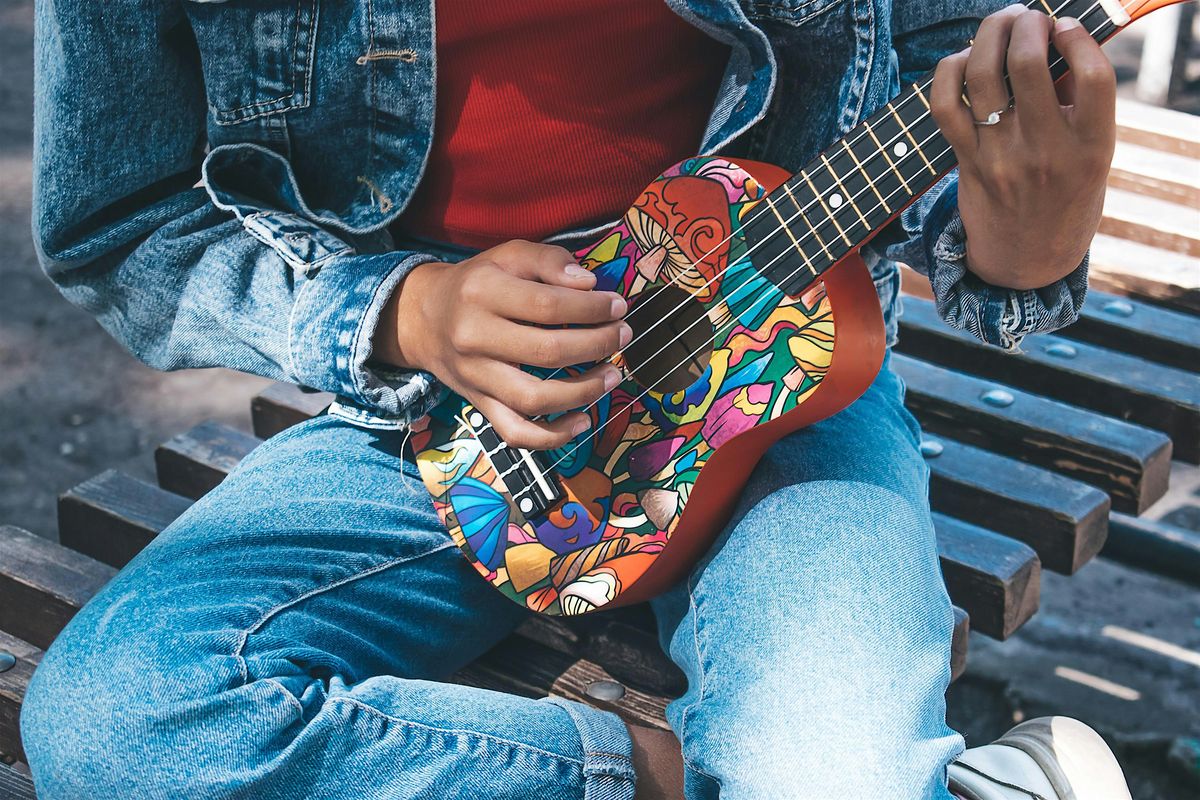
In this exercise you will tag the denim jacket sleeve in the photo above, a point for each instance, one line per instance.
(930, 237)
(125, 231)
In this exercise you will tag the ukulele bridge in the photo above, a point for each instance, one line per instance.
(531, 485)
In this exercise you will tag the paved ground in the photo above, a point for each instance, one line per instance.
(72, 404)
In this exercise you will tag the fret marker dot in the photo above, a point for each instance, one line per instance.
(835, 200)
(476, 419)
(901, 149)
(526, 505)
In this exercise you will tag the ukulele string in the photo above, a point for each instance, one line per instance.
(763, 212)
(767, 294)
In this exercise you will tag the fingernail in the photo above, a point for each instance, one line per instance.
(619, 306)
(1064, 24)
(626, 334)
(576, 271)
(580, 426)
(612, 376)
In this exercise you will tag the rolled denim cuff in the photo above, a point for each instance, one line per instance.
(607, 751)
(330, 337)
(993, 314)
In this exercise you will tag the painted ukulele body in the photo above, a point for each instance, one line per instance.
(646, 495)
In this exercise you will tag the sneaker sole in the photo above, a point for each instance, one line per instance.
(1078, 762)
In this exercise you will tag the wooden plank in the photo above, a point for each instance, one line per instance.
(13, 683)
(193, 463)
(1063, 520)
(1163, 277)
(1158, 128)
(43, 584)
(15, 785)
(996, 580)
(1156, 173)
(282, 405)
(112, 516)
(1075, 372)
(1156, 546)
(995, 609)
(1129, 462)
(1139, 329)
(524, 667)
(1151, 221)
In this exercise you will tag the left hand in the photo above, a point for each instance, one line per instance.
(1031, 188)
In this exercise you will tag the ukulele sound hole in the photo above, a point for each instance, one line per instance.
(672, 339)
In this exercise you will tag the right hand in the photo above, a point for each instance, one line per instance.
(472, 323)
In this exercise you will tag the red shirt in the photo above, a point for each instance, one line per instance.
(553, 114)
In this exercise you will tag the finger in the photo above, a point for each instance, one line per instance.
(534, 397)
(1065, 88)
(945, 103)
(1095, 82)
(543, 347)
(1029, 71)
(525, 300)
(984, 75)
(545, 263)
(517, 431)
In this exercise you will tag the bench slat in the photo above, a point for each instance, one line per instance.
(1156, 173)
(193, 463)
(995, 579)
(1063, 520)
(1139, 329)
(1112, 383)
(996, 612)
(1156, 546)
(15, 785)
(12, 691)
(282, 405)
(42, 585)
(1149, 220)
(1162, 277)
(112, 516)
(1131, 463)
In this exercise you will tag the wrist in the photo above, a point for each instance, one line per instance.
(399, 335)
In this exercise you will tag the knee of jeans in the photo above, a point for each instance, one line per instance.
(120, 699)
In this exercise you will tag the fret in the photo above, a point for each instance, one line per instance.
(921, 94)
(883, 151)
(787, 229)
(885, 181)
(1049, 10)
(773, 252)
(803, 216)
(845, 192)
(866, 176)
(826, 209)
(908, 133)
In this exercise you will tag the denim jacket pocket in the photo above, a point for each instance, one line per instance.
(257, 55)
(792, 12)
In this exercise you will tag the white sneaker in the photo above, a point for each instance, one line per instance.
(1050, 758)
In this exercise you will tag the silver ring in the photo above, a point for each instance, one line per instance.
(992, 118)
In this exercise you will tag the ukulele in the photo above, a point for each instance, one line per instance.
(753, 316)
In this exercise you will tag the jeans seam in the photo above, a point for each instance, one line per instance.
(691, 592)
(239, 651)
(454, 731)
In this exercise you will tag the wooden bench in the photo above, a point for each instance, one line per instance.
(1035, 459)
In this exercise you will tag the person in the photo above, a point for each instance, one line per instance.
(346, 196)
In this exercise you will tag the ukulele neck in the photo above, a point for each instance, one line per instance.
(854, 188)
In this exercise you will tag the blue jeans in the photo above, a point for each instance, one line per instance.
(285, 637)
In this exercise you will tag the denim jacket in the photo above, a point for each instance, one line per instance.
(215, 178)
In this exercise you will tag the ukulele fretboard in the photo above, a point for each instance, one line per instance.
(858, 185)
